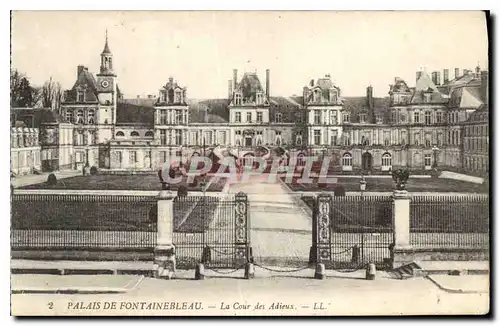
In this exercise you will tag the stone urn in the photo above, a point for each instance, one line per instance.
(400, 177)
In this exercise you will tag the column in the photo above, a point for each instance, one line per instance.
(401, 225)
(164, 253)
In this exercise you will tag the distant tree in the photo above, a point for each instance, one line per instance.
(51, 95)
(22, 94)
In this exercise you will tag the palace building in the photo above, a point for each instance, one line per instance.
(436, 123)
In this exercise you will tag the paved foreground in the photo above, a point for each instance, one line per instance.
(280, 228)
(291, 294)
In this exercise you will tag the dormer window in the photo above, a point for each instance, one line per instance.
(237, 99)
(362, 117)
(178, 96)
(80, 96)
(333, 96)
(317, 96)
(259, 98)
(171, 96)
(277, 117)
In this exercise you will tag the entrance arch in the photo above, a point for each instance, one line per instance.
(366, 161)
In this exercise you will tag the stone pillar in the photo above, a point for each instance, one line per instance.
(401, 228)
(164, 253)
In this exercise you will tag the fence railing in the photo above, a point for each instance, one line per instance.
(49, 220)
(450, 221)
(205, 230)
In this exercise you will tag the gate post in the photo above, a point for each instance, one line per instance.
(243, 249)
(164, 252)
(323, 233)
(401, 227)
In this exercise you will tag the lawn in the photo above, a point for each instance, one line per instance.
(123, 182)
(128, 213)
(387, 184)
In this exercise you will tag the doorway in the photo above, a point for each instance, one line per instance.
(367, 161)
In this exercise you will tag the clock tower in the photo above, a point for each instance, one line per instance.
(107, 94)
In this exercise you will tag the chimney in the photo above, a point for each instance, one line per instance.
(434, 77)
(370, 103)
(267, 82)
(369, 97)
(484, 87)
(457, 73)
(229, 88)
(478, 71)
(419, 73)
(235, 78)
(79, 70)
(446, 77)
(438, 78)
(311, 83)
(466, 71)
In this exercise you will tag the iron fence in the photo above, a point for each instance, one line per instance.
(212, 230)
(450, 221)
(82, 221)
(350, 232)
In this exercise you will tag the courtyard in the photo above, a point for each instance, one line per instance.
(126, 182)
(387, 185)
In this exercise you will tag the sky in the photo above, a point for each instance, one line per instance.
(201, 49)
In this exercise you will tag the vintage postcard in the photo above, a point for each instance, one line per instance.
(249, 163)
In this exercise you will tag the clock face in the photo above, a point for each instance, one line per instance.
(105, 84)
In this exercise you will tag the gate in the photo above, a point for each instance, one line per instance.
(212, 230)
(352, 231)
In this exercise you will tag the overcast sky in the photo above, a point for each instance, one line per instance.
(201, 49)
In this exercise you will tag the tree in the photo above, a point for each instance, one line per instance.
(51, 95)
(22, 94)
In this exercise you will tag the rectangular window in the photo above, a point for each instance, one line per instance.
(427, 118)
(378, 117)
(333, 140)
(178, 137)
(427, 161)
(80, 96)
(403, 138)
(317, 117)
(439, 117)
(333, 117)
(440, 139)
(69, 115)
(249, 116)
(416, 117)
(259, 117)
(178, 116)
(237, 99)
(345, 117)
(237, 117)
(163, 117)
(416, 138)
(133, 157)
(163, 137)
(317, 137)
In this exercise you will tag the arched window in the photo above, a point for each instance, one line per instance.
(149, 134)
(386, 162)
(91, 117)
(120, 134)
(347, 162)
(134, 134)
(79, 117)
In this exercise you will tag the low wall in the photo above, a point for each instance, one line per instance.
(99, 254)
(403, 256)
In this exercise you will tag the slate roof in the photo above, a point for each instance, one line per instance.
(399, 86)
(34, 118)
(249, 86)
(466, 97)
(356, 105)
(209, 111)
(135, 111)
(288, 107)
(86, 81)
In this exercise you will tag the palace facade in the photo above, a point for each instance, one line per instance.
(436, 123)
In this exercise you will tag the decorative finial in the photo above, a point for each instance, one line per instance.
(106, 35)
